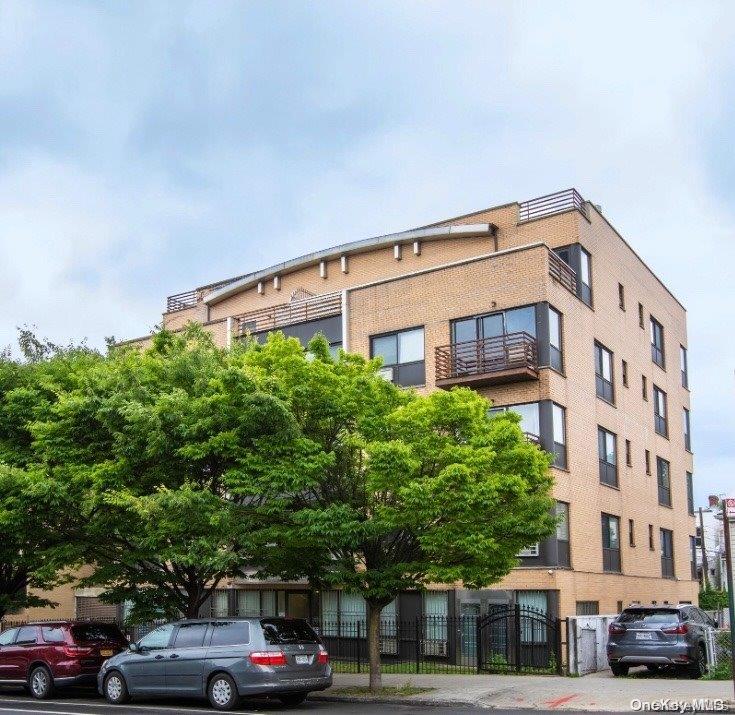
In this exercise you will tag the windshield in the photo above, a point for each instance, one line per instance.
(279, 631)
(648, 615)
(97, 633)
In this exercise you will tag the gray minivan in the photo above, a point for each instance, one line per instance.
(222, 659)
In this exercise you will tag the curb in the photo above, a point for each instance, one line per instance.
(408, 700)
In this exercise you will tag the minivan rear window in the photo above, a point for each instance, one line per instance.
(97, 633)
(648, 615)
(280, 631)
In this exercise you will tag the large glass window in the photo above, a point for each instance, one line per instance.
(436, 611)
(529, 412)
(403, 356)
(667, 553)
(515, 320)
(663, 474)
(657, 343)
(610, 543)
(562, 533)
(248, 603)
(556, 355)
(684, 364)
(345, 614)
(559, 426)
(607, 452)
(220, 604)
(690, 493)
(604, 373)
(585, 276)
(660, 419)
(687, 430)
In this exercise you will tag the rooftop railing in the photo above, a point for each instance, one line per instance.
(297, 311)
(556, 203)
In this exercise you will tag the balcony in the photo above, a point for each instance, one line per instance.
(299, 310)
(562, 273)
(492, 361)
(551, 204)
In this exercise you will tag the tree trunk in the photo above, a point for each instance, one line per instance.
(193, 601)
(373, 640)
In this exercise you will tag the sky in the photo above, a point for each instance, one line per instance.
(147, 148)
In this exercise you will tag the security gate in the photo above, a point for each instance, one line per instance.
(518, 639)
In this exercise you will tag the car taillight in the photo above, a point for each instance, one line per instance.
(323, 657)
(76, 651)
(615, 629)
(678, 630)
(268, 658)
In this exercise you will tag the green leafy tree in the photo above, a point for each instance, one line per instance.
(168, 450)
(413, 490)
(712, 599)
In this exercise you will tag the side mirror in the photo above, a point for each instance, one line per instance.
(134, 648)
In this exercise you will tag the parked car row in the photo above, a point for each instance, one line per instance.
(222, 659)
(659, 637)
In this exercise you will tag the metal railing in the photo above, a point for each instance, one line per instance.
(562, 272)
(490, 355)
(297, 311)
(181, 301)
(556, 203)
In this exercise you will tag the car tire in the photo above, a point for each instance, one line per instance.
(41, 683)
(222, 692)
(699, 668)
(291, 700)
(115, 689)
(619, 670)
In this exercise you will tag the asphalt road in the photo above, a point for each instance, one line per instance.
(87, 703)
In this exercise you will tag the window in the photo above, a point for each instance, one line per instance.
(158, 638)
(684, 363)
(687, 430)
(436, 610)
(558, 418)
(555, 340)
(588, 608)
(660, 420)
(604, 373)
(190, 635)
(607, 448)
(27, 634)
(285, 631)
(231, 633)
(650, 537)
(625, 374)
(403, 356)
(631, 532)
(663, 476)
(628, 454)
(52, 634)
(693, 557)
(529, 413)
(585, 276)
(641, 319)
(562, 533)
(621, 296)
(610, 543)
(657, 343)
(648, 462)
(7, 637)
(667, 553)
(220, 605)
(644, 387)
(690, 493)
(345, 614)
(248, 603)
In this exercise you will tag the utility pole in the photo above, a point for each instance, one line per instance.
(728, 508)
(705, 565)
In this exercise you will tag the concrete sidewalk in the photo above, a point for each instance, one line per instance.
(597, 692)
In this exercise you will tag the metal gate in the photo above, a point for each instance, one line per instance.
(518, 639)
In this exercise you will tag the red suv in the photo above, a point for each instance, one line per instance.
(42, 656)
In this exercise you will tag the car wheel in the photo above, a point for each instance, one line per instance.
(619, 670)
(222, 692)
(115, 689)
(291, 700)
(40, 683)
(699, 667)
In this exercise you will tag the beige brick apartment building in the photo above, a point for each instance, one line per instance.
(545, 309)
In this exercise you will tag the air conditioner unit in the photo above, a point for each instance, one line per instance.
(435, 648)
(529, 551)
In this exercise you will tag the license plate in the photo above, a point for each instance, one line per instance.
(303, 659)
(644, 636)
(106, 652)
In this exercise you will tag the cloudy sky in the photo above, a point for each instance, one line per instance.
(146, 148)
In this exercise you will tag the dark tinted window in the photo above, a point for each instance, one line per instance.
(7, 637)
(190, 635)
(648, 615)
(278, 631)
(97, 633)
(230, 633)
(52, 634)
(27, 634)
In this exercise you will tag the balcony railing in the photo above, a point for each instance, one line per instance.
(551, 204)
(562, 272)
(181, 301)
(297, 311)
(503, 358)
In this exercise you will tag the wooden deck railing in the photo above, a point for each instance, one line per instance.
(490, 355)
(297, 311)
(551, 204)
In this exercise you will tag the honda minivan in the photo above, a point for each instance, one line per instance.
(222, 659)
